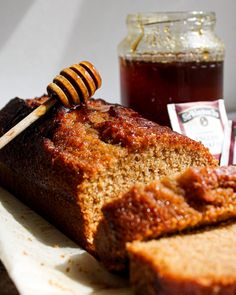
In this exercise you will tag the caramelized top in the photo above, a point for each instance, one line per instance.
(97, 125)
(121, 126)
(86, 139)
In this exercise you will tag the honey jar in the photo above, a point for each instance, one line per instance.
(170, 57)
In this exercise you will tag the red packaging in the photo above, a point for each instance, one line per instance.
(203, 121)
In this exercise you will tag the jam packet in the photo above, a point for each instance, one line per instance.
(203, 121)
(229, 149)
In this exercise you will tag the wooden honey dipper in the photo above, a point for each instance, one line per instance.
(74, 85)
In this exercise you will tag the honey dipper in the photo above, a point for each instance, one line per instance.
(74, 85)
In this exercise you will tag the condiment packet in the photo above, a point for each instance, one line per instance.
(229, 148)
(203, 121)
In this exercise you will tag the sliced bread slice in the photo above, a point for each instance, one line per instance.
(202, 263)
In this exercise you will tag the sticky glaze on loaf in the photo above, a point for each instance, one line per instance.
(72, 162)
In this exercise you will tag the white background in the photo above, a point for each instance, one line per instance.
(38, 38)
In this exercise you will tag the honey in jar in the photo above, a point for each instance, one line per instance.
(170, 58)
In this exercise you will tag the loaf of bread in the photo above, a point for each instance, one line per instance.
(196, 197)
(202, 263)
(70, 163)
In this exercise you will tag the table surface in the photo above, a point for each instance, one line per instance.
(6, 285)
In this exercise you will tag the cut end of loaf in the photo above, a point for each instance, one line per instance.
(130, 169)
(198, 263)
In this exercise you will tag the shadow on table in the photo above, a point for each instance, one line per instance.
(85, 269)
(32, 222)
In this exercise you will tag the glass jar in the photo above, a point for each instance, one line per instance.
(170, 57)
